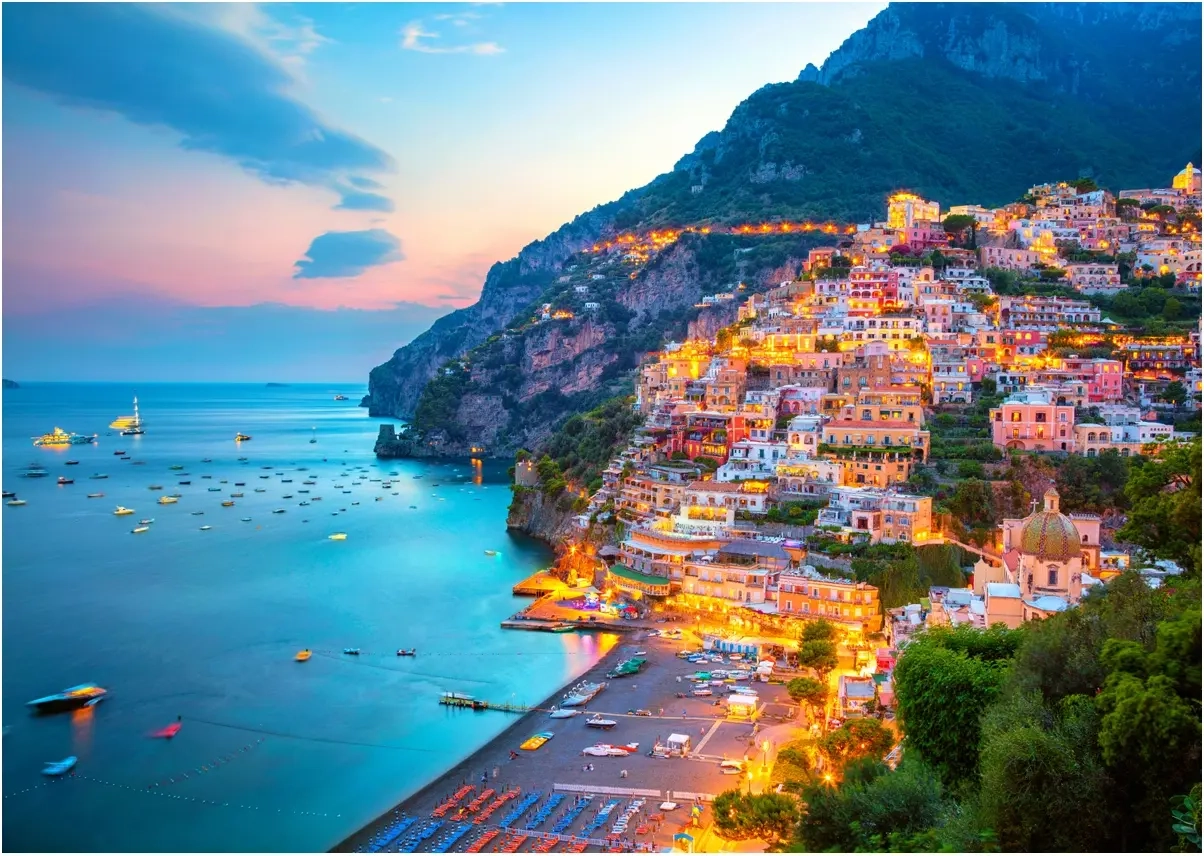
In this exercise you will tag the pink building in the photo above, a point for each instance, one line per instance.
(1104, 378)
(1003, 257)
(924, 235)
(1031, 421)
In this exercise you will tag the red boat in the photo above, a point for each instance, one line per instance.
(169, 732)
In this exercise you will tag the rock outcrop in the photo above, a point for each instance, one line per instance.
(533, 513)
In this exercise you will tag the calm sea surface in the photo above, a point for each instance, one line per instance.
(273, 754)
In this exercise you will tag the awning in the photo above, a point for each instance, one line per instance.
(625, 577)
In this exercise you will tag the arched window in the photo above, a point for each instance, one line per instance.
(1053, 575)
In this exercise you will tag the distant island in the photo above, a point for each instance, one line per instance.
(276, 384)
(11, 384)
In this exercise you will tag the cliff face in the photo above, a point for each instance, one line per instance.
(539, 516)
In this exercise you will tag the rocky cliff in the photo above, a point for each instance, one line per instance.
(540, 516)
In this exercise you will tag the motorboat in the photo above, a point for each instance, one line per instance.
(214, 490)
(146, 521)
(229, 503)
(139, 529)
(119, 453)
(279, 510)
(353, 651)
(71, 463)
(261, 490)
(95, 496)
(176, 467)
(303, 655)
(402, 652)
(8, 494)
(16, 502)
(206, 460)
(167, 500)
(603, 750)
(196, 513)
(245, 519)
(238, 438)
(59, 437)
(155, 487)
(169, 731)
(33, 471)
(599, 722)
(340, 397)
(238, 495)
(561, 713)
(121, 511)
(84, 695)
(206, 528)
(59, 768)
(491, 552)
(341, 536)
(65, 480)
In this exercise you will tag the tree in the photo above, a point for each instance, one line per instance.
(818, 629)
(1175, 393)
(857, 739)
(1084, 185)
(1164, 499)
(1172, 309)
(818, 655)
(769, 817)
(808, 691)
(943, 683)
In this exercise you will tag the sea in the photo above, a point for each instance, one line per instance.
(202, 626)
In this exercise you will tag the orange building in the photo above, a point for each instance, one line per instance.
(808, 595)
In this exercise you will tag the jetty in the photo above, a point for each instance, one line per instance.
(462, 700)
(538, 584)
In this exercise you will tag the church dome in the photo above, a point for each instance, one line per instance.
(1049, 534)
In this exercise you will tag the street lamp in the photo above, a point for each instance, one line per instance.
(750, 778)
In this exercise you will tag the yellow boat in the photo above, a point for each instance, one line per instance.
(338, 536)
(167, 500)
(534, 742)
(121, 510)
(302, 656)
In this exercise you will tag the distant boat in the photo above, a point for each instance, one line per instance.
(59, 768)
(176, 467)
(314, 438)
(121, 511)
(155, 487)
(561, 713)
(303, 655)
(15, 502)
(65, 480)
(338, 536)
(491, 552)
(169, 731)
(403, 652)
(278, 510)
(84, 695)
(146, 521)
(238, 438)
(129, 425)
(229, 503)
(167, 500)
(59, 437)
(8, 494)
(352, 651)
(340, 397)
(95, 495)
(137, 529)
(119, 453)
(245, 519)
(72, 463)
(206, 528)
(99, 476)
(33, 471)
(197, 513)
(599, 722)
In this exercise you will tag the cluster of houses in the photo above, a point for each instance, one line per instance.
(816, 407)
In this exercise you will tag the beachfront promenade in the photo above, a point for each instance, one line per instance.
(569, 807)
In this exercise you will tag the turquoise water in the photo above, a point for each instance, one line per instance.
(273, 754)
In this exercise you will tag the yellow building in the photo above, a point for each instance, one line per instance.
(904, 209)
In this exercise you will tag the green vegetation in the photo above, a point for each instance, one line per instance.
(1163, 493)
(585, 444)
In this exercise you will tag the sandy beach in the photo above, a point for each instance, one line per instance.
(561, 767)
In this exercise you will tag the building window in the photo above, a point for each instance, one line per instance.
(1053, 576)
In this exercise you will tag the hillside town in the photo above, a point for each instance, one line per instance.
(807, 429)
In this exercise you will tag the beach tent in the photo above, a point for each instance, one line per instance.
(678, 743)
(742, 705)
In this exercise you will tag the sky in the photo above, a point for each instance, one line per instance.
(291, 192)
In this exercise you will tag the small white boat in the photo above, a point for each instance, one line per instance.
(206, 528)
(58, 768)
(338, 536)
(599, 722)
(137, 529)
(95, 496)
(246, 519)
(146, 521)
(491, 552)
(561, 713)
(15, 502)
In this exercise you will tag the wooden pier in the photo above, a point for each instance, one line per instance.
(461, 700)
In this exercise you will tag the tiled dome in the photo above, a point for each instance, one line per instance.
(1049, 534)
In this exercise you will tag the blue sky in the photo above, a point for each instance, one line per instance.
(283, 162)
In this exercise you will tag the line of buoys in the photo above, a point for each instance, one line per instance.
(205, 768)
(183, 798)
(392, 655)
(36, 787)
(310, 739)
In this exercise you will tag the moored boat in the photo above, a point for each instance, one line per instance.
(581, 694)
(59, 437)
(59, 768)
(338, 536)
(238, 438)
(84, 695)
(303, 655)
(167, 500)
(138, 529)
(599, 722)
(95, 496)
(561, 713)
(121, 511)
(15, 502)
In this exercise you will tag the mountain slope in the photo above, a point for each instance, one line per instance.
(965, 103)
